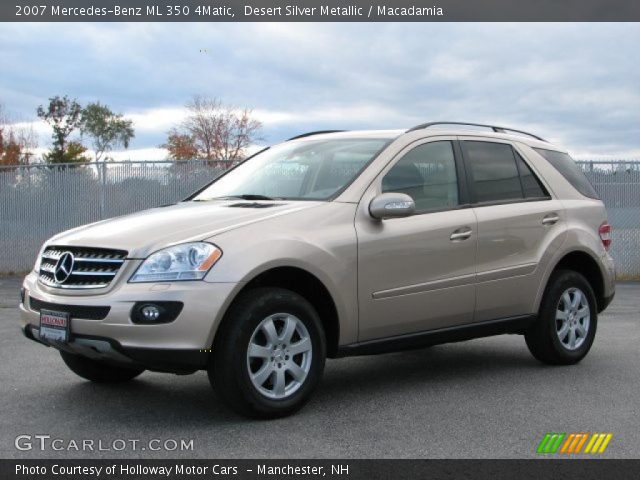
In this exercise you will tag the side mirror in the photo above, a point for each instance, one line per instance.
(391, 205)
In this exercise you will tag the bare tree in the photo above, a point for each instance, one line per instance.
(237, 131)
(218, 131)
(202, 125)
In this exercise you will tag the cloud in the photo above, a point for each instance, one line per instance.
(139, 154)
(575, 84)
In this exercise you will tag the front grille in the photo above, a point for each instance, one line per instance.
(84, 268)
(75, 311)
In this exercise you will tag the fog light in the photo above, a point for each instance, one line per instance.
(151, 313)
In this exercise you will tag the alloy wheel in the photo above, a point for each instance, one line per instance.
(573, 316)
(279, 355)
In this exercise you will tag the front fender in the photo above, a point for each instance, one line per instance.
(322, 242)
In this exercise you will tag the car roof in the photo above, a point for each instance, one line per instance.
(438, 130)
(323, 134)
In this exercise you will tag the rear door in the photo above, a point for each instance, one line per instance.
(520, 226)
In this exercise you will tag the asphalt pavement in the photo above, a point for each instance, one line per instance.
(485, 398)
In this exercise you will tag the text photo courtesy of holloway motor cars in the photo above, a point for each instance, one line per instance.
(292, 239)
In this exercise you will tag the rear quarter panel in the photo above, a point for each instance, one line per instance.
(583, 218)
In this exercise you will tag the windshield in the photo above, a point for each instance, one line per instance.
(308, 170)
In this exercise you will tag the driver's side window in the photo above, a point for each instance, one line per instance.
(428, 175)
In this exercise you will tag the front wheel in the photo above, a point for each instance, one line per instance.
(96, 371)
(269, 354)
(567, 321)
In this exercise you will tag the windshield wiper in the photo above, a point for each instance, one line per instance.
(251, 196)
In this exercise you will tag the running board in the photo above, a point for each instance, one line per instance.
(435, 337)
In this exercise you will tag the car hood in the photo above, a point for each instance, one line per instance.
(145, 232)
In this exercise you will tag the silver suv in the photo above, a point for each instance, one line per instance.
(333, 244)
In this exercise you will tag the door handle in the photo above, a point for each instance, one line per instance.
(550, 219)
(460, 234)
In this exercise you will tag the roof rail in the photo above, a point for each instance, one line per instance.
(493, 127)
(317, 132)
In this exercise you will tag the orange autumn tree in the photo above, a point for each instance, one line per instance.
(180, 145)
(15, 143)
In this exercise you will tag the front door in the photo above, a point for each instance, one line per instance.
(418, 273)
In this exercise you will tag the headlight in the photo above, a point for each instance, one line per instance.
(189, 261)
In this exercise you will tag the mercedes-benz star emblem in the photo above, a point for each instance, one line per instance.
(64, 267)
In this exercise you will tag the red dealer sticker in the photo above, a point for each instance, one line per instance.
(54, 326)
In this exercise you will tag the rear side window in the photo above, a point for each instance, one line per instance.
(569, 170)
(493, 170)
(531, 185)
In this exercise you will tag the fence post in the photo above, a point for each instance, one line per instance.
(103, 183)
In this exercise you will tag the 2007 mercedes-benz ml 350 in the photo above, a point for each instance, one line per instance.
(333, 244)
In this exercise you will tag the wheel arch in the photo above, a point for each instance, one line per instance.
(586, 265)
(306, 284)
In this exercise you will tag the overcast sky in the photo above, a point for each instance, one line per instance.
(575, 84)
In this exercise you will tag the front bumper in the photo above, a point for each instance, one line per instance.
(181, 344)
(108, 350)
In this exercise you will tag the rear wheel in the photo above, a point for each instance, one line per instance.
(269, 354)
(98, 371)
(567, 321)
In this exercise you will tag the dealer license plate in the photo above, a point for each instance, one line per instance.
(54, 326)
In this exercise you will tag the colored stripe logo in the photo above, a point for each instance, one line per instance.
(572, 443)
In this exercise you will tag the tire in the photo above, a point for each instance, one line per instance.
(567, 320)
(285, 368)
(95, 371)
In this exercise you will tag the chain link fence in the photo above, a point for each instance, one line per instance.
(618, 184)
(38, 201)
